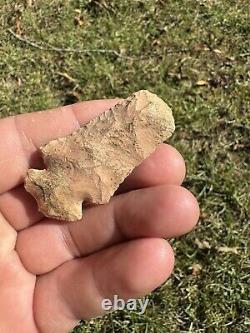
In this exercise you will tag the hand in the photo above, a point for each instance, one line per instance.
(51, 273)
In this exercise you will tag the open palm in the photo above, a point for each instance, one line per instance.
(52, 273)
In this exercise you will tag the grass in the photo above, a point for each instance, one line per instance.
(195, 55)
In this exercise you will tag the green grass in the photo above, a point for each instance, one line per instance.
(168, 47)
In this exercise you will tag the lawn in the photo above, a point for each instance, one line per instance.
(196, 56)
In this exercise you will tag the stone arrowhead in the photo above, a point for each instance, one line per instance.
(87, 166)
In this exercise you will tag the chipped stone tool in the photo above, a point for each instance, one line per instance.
(87, 166)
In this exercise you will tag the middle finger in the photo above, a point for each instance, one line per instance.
(162, 211)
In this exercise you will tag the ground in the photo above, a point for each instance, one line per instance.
(195, 55)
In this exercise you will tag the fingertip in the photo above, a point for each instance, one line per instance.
(178, 164)
(151, 264)
(164, 166)
(194, 207)
(188, 209)
(170, 165)
(175, 211)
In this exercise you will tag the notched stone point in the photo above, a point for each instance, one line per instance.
(87, 166)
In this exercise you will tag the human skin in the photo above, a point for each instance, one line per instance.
(51, 273)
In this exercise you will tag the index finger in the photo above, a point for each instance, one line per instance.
(22, 135)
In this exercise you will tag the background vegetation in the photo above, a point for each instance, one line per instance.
(195, 55)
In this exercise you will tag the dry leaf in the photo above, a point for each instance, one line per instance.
(217, 51)
(196, 269)
(201, 83)
(29, 3)
(202, 244)
(226, 249)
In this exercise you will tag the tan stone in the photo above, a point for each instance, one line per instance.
(90, 164)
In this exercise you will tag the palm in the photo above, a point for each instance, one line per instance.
(52, 273)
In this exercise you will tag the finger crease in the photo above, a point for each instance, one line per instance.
(70, 242)
(24, 140)
(116, 219)
(78, 125)
(97, 285)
